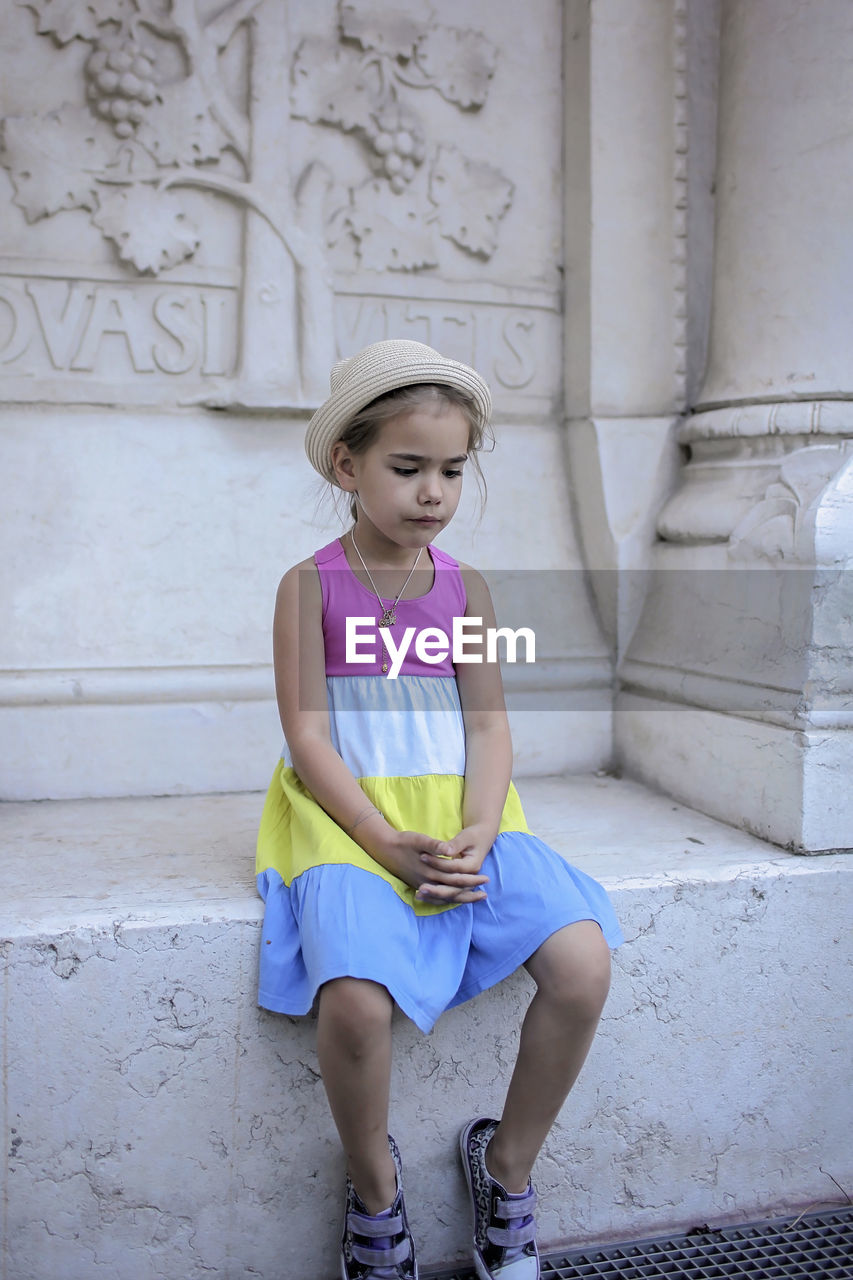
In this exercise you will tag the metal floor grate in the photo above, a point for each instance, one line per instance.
(813, 1244)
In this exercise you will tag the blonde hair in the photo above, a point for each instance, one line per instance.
(361, 431)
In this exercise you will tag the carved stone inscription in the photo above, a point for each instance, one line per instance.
(516, 348)
(109, 330)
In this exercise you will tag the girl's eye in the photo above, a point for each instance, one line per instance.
(451, 472)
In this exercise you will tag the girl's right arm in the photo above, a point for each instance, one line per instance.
(300, 681)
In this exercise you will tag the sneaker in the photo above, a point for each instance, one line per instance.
(504, 1228)
(378, 1247)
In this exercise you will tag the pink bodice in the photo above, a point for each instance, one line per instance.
(345, 597)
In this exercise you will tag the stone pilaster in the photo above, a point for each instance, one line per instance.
(629, 99)
(737, 686)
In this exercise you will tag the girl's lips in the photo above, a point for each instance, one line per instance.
(426, 520)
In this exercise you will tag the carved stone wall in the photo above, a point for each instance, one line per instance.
(202, 206)
(190, 192)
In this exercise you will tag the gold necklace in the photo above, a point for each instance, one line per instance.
(389, 615)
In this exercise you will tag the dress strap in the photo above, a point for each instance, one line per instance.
(441, 559)
(450, 593)
(328, 554)
(331, 557)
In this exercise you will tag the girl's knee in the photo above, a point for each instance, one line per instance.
(355, 1011)
(572, 970)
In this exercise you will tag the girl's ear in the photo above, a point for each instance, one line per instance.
(344, 467)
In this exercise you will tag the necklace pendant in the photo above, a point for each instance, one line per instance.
(388, 619)
(384, 667)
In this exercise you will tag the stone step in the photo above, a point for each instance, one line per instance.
(159, 1124)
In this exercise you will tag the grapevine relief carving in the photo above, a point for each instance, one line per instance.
(366, 84)
(156, 108)
(155, 116)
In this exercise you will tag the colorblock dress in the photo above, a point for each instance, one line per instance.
(331, 911)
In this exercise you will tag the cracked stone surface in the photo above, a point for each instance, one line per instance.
(158, 1124)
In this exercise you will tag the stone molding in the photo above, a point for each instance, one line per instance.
(679, 685)
(832, 415)
(681, 144)
(134, 685)
(131, 686)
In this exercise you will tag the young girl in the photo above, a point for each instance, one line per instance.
(393, 854)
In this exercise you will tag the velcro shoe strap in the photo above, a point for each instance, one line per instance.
(511, 1237)
(518, 1207)
(360, 1224)
(381, 1257)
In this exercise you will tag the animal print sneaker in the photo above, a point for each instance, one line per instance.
(378, 1247)
(504, 1228)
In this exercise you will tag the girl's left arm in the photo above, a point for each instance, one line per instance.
(488, 746)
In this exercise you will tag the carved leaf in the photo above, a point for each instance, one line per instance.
(772, 527)
(179, 126)
(328, 85)
(149, 228)
(472, 197)
(222, 28)
(807, 472)
(385, 27)
(52, 160)
(390, 230)
(69, 19)
(766, 532)
(459, 63)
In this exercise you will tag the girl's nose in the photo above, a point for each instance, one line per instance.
(430, 489)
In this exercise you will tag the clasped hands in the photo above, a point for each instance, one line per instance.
(442, 871)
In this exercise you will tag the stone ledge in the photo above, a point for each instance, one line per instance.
(159, 1124)
(177, 859)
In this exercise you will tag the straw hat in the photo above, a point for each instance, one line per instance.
(379, 368)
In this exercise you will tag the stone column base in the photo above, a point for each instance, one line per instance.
(786, 785)
(737, 688)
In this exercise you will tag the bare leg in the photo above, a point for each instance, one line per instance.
(572, 973)
(354, 1048)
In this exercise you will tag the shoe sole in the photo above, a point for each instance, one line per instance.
(344, 1275)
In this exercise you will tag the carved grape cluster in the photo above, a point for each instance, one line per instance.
(399, 142)
(119, 83)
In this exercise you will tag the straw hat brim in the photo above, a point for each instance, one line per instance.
(378, 369)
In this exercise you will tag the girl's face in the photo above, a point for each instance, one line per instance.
(409, 480)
